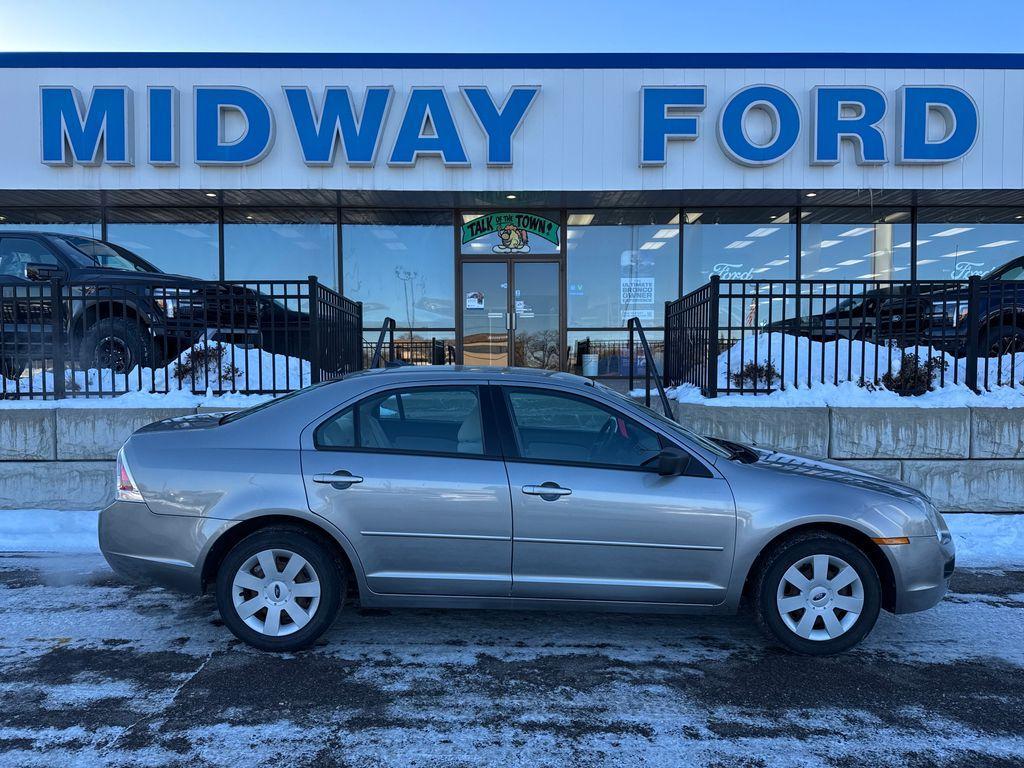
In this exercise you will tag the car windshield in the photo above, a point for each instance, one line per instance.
(106, 256)
(667, 423)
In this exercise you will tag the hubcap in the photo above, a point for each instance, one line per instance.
(112, 353)
(820, 597)
(276, 592)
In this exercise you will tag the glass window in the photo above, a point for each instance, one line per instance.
(954, 244)
(556, 427)
(855, 244)
(621, 264)
(69, 221)
(17, 253)
(400, 266)
(738, 244)
(428, 419)
(180, 241)
(510, 232)
(281, 244)
(606, 353)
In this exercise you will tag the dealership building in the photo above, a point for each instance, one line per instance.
(516, 205)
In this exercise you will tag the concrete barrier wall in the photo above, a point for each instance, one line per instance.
(966, 459)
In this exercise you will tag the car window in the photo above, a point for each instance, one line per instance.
(16, 253)
(551, 426)
(414, 420)
(1016, 273)
(102, 253)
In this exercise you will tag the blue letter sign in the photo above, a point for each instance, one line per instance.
(958, 111)
(500, 125)
(163, 125)
(829, 126)
(658, 124)
(212, 148)
(428, 128)
(318, 135)
(74, 133)
(781, 110)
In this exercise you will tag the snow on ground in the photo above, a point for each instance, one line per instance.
(982, 541)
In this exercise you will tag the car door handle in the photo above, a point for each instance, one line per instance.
(547, 491)
(341, 479)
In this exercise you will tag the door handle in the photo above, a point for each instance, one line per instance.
(341, 479)
(547, 491)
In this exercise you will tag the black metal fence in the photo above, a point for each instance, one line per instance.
(612, 358)
(754, 337)
(136, 333)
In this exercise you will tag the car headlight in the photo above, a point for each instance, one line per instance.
(938, 523)
(172, 300)
(949, 311)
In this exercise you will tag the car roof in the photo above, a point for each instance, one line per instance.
(482, 372)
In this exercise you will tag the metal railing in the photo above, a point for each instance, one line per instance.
(754, 336)
(391, 351)
(609, 358)
(102, 338)
(636, 331)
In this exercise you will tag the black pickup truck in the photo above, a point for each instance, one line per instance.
(118, 311)
(936, 314)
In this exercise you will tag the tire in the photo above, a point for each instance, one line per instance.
(1002, 340)
(241, 580)
(117, 344)
(817, 601)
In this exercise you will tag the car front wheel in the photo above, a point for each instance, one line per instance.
(279, 589)
(817, 594)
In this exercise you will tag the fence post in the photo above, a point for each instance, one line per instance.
(59, 353)
(315, 356)
(665, 348)
(629, 351)
(712, 329)
(971, 352)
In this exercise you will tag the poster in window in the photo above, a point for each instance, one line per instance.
(636, 290)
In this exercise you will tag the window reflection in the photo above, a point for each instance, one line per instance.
(855, 244)
(178, 241)
(403, 270)
(621, 264)
(69, 221)
(288, 244)
(738, 244)
(956, 244)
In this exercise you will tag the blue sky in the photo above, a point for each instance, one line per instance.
(520, 25)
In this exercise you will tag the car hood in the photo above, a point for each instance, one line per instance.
(785, 463)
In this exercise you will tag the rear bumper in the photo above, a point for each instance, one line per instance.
(922, 569)
(166, 550)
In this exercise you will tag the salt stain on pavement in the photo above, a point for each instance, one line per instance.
(97, 672)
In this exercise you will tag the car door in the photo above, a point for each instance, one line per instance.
(420, 490)
(592, 518)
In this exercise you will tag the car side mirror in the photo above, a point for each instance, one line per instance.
(42, 271)
(671, 463)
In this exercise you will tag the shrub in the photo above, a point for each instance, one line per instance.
(205, 363)
(756, 374)
(914, 377)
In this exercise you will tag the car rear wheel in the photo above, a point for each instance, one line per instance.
(279, 589)
(817, 594)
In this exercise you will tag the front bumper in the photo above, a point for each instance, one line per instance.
(922, 569)
(166, 550)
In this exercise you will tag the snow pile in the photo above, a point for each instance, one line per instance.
(982, 541)
(239, 368)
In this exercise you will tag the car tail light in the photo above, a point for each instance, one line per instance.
(127, 490)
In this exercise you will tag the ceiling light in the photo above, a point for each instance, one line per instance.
(759, 270)
(898, 216)
(778, 262)
(952, 231)
(925, 261)
(954, 254)
(739, 244)
(811, 194)
(763, 231)
(870, 276)
(827, 269)
(249, 217)
(3, 218)
(1019, 216)
(998, 244)
(652, 246)
(664, 234)
(856, 231)
(580, 219)
(828, 243)
(211, 194)
(510, 197)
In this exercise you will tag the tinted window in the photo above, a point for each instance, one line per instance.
(431, 420)
(555, 427)
(16, 253)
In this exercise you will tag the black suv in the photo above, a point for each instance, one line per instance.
(119, 311)
(936, 314)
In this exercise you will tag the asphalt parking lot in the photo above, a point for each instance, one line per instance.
(97, 672)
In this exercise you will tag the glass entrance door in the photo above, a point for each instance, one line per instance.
(511, 314)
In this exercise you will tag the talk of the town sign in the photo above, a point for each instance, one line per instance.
(335, 125)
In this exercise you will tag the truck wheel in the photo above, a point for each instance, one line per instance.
(817, 594)
(279, 589)
(1002, 340)
(116, 344)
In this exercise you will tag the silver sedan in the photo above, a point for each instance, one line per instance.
(506, 488)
